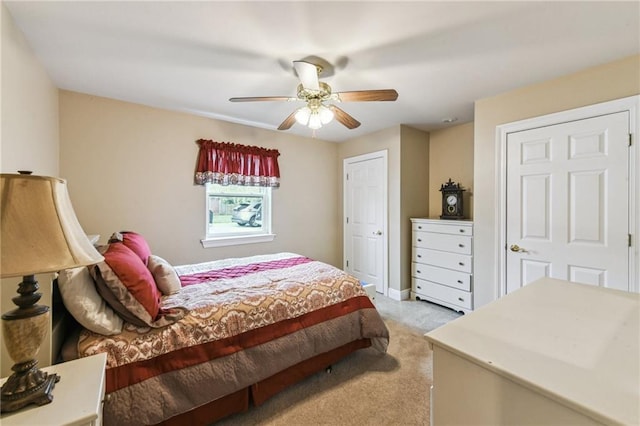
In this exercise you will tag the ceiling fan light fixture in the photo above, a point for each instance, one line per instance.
(326, 115)
(315, 93)
(314, 121)
(303, 115)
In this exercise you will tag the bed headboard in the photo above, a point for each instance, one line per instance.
(62, 323)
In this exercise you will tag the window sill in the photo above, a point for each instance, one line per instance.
(237, 240)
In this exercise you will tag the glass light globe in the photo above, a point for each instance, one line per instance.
(326, 115)
(314, 121)
(302, 116)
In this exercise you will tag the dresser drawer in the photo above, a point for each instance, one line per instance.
(443, 242)
(455, 279)
(444, 228)
(443, 293)
(458, 262)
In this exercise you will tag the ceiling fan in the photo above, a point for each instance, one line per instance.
(317, 95)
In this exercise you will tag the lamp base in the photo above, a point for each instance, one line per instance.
(19, 390)
(23, 330)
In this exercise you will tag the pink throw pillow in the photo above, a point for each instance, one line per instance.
(131, 282)
(138, 244)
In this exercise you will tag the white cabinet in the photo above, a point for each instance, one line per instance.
(550, 353)
(77, 397)
(442, 262)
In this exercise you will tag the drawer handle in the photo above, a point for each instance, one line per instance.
(461, 299)
(419, 255)
(459, 245)
(419, 227)
(459, 263)
(419, 240)
(462, 230)
(459, 281)
(419, 287)
(418, 271)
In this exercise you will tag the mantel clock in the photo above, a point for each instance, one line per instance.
(451, 200)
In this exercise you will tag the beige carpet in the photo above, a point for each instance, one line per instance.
(366, 388)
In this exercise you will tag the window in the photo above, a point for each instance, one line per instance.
(237, 214)
(238, 181)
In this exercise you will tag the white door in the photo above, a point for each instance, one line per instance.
(365, 221)
(568, 203)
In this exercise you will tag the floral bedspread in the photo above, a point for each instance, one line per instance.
(247, 319)
(270, 289)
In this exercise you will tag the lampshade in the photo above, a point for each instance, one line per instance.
(39, 229)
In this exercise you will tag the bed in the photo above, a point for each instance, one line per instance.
(230, 333)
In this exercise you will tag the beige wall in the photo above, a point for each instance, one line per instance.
(598, 84)
(414, 184)
(28, 141)
(451, 154)
(130, 167)
(407, 155)
(29, 107)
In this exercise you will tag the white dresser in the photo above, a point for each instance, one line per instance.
(442, 262)
(550, 353)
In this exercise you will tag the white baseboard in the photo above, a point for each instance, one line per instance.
(399, 294)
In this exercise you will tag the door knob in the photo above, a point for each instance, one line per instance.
(517, 249)
(377, 233)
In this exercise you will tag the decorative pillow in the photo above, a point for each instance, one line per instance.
(105, 291)
(165, 276)
(129, 280)
(83, 302)
(135, 242)
(128, 286)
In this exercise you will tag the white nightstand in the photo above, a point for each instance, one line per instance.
(77, 397)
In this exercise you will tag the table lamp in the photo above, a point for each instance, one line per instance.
(39, 233)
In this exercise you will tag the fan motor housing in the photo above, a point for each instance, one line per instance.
(308, 94)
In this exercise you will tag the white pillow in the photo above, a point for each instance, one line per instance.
(165, 276)
(82, 300)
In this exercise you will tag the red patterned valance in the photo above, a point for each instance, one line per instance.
(232, 164)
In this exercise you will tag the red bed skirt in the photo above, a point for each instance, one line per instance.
(260, 392)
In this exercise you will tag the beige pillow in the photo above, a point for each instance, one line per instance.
(165, 276)
(83, 302)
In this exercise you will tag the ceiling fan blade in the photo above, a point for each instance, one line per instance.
(344, 118)
(308, 74)
(263, 98)
(368, 95)
(288, 122)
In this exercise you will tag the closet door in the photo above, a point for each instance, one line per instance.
(568, 203)
(365, 221)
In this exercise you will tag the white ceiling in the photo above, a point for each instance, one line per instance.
(439, 56)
